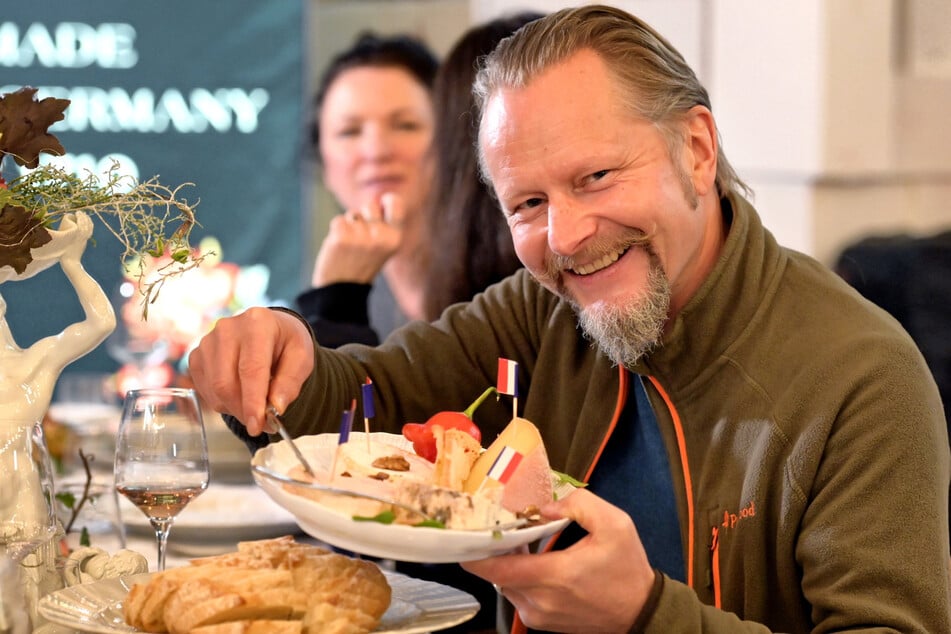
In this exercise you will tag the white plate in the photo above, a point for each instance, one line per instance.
(417, 606)
(222, 514)
(393, 541)
(87, 418)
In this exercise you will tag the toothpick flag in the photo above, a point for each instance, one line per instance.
(508, 382)
(368, 409)
(351, 413)
(505, 465)
(508, 377)
(367, 388)
(346, 423)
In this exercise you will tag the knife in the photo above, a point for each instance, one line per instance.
(276, 424)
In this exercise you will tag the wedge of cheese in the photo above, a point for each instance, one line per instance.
(517, 461)
(456, 452)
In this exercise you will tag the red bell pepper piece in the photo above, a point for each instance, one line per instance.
(421, 434)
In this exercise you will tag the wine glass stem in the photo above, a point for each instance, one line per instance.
(162, 528)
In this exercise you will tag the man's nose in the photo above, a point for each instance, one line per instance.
(569, 225)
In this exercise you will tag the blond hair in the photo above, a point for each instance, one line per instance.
(653, 76)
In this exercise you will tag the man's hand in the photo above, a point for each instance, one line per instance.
(258, 357)
(599, 584)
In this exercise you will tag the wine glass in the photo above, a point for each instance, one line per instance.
(127, 347)
(142, 352)
(27, 517)
(161, 455)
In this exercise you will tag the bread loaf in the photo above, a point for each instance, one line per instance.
(252, 627)
(274, 585)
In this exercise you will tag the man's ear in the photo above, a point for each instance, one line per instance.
(700, 148)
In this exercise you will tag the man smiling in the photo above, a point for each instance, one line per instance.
(765, 450)
(601, 211)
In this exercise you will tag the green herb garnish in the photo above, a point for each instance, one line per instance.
(388, 517)
(564, 477)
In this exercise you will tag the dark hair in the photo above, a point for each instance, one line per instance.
(369, 49)
(471, 242)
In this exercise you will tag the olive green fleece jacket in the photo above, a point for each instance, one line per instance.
(805, 435)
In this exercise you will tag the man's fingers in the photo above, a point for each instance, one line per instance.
(218, 389)
(250, 360)
(238, 373)
(583, 507)
(254, 370)
(261, 363)
(293, 365)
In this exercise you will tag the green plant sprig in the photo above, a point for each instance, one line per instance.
(147, 218)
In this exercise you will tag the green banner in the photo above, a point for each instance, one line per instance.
(190, 91)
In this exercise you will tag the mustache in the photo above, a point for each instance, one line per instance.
(596, 249)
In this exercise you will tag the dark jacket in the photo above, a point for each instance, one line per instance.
(805, 434)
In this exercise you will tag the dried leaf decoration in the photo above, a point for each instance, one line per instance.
(20, 231)
(24, 124)
(145, 217)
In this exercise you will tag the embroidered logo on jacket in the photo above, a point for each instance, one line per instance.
(730, 520)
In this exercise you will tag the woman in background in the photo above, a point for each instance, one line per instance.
(373, 129)
(472, 246)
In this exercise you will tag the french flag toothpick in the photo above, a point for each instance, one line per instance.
(508, 382)
(504, 465)
(368, 409)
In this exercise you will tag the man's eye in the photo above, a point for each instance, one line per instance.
(347, 132)
(531, 203)
(596, 176)
(525, 208)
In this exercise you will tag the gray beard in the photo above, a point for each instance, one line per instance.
(626, 333)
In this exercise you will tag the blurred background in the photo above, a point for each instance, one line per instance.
(832, 110)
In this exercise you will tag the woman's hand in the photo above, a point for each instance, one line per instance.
(360, 242)
(599, 584)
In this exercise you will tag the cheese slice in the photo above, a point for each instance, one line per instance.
(527, 480)
(456, 452)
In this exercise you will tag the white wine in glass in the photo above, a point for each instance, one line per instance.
(161, 455)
